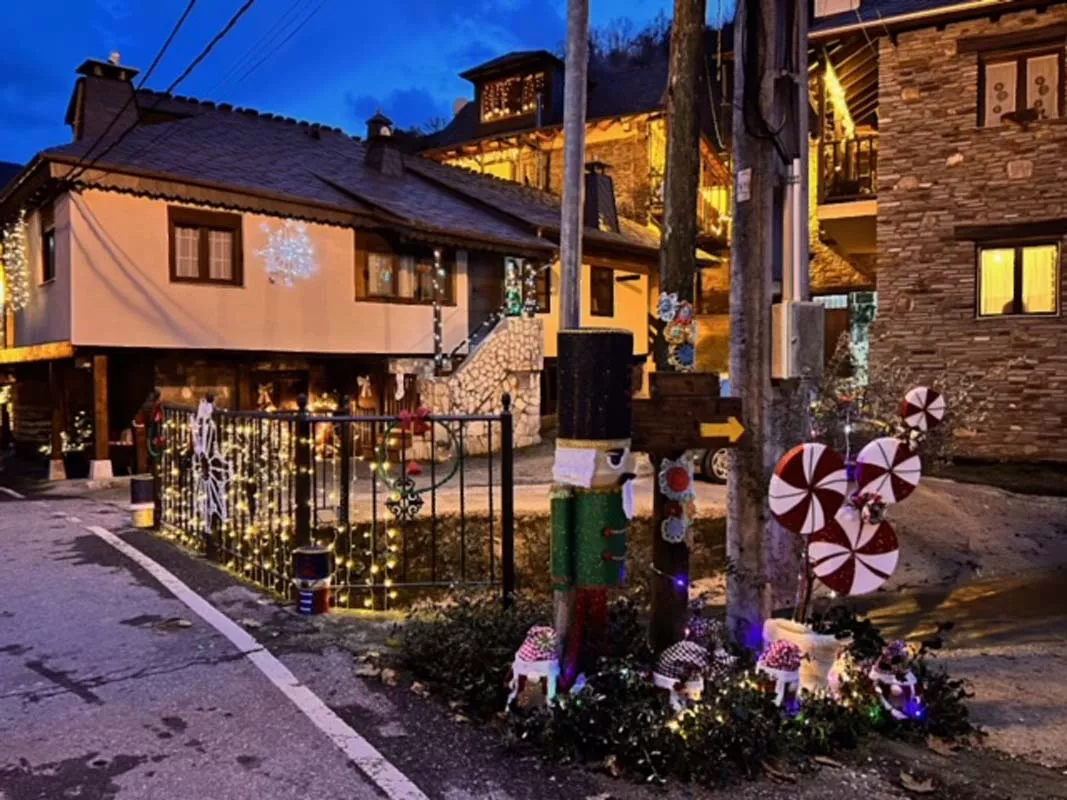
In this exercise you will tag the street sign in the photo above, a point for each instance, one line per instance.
(685, 412)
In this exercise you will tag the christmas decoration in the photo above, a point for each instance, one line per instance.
(536, 661)
(16, 265)
(211, 470)
(851, 556)
(923, 408)
(513, 305)
(781, 663)
(289, 254)
(895, 682)
(888, 468)
(679, 331)
(807, 488)
(680, 670)
(593, 465)
(675, 480)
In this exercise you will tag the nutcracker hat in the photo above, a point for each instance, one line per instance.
(595, 387)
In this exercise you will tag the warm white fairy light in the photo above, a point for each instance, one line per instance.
(289, 253)
(16, 265)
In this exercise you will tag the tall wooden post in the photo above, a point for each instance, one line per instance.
(747, 601)
(56, 469)
(100, 466)
(670, 587)
(574, 99)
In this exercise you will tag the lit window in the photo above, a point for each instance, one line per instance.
(514, 96)
(404, 277)
(1024, 83)
(1018, 280)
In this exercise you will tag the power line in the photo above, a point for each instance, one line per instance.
(174, 84)
(284, 41)
(265, 40)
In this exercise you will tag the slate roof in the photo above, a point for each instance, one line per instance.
(265, 153)
(885, 10)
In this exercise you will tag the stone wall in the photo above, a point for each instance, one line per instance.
(628, 159)
(937, 170)
(509, 359)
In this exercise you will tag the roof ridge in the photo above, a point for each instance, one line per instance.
(532, 192)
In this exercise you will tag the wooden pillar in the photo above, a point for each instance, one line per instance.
(56, 469)
(246, 400)
(100, 468)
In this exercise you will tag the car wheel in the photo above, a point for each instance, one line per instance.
(716, 465)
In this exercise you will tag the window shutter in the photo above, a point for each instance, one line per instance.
(1000, 89)
(1043, 85)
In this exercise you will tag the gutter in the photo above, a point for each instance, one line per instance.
(915, 16)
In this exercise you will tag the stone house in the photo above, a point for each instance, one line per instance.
(199, 247)
(962, 172)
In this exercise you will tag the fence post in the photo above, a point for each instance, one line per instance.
(345, 433)
(302, 457)
(507, 501)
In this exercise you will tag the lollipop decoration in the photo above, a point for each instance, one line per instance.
(887, 467)
(807, 488)
(923, 408)
(851, 556)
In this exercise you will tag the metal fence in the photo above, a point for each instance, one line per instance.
(409, 505)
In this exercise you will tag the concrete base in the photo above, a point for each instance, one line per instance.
(100, 470)
(56, 470)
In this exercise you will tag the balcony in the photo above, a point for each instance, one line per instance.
(848, 169)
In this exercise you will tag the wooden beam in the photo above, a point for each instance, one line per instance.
(101, 425)
(50, 351)
(1004, 41)
(1038, 229)
(55, 388)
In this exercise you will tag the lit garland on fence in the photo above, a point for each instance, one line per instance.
(16, 265)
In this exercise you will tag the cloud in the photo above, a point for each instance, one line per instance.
(405, 107)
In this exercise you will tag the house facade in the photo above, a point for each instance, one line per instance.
(963, 179)
(200, 248)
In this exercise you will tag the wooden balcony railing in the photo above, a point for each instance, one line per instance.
(848, 169)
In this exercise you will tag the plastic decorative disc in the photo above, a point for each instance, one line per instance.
(889, 468)
(923, 408)
(851, 556)
(807, 488)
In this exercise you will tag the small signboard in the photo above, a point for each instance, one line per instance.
(744, 185)
(685, 412)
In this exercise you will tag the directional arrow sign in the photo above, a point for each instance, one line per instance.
(732, 430)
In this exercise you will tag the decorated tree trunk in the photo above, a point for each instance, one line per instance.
(591, 499)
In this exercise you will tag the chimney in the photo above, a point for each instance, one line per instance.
(104, 88)
(381, 149)
(600, 211)
(458, 105)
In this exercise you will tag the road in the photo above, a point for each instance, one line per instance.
(111, 688)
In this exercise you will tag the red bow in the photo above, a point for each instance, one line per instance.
(415, 422)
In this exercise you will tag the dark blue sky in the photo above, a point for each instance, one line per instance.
(347, 59)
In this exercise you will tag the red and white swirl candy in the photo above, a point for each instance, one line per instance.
(887, 467)
(923, 408)
(807, 488)
(851, 556)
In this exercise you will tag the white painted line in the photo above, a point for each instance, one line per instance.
(373, 764)
(12, 493)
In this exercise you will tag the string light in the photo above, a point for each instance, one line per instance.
(16, 265)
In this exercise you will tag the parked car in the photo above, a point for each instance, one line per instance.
(714, 464)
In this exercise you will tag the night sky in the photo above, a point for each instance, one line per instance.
(343, 58)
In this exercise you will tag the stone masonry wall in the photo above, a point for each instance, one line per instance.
(510, 359)
(937, 170)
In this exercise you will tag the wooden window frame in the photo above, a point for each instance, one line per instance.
(543, 279)
(48, 234)
(1017, 277)
(379, 246)
(182, 217)
(1019, 56)
(595, 309)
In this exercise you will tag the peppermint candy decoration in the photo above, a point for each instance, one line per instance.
(923, 408)
(852, 556)
(888, 468)
(807, 488)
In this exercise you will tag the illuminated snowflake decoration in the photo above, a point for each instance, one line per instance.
(211, 471)
(289, 254)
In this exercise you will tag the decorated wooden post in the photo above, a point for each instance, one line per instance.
(684, 412)
(592, 499)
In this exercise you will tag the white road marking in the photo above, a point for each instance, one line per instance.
(12, 493)
(373, 764)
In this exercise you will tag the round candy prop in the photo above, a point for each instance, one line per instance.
(887, 467)
(923, 408)
(852, 556)
(807, 488)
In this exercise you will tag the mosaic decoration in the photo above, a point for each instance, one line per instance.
(289, 254)
(679, 331)
(211, 470)
(808, 487)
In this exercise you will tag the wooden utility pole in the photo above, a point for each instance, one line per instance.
(751, 262)
(575, 87)
(670, 586)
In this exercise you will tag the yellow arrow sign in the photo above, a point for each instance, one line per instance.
(732, 429)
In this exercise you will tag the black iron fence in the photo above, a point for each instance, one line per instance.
(849, 169)
(408, 505)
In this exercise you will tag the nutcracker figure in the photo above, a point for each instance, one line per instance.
(592, 497)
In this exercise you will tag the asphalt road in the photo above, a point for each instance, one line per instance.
(107, 690)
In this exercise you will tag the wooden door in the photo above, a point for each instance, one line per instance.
(485, 276)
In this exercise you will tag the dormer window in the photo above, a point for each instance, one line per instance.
(514, 96)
